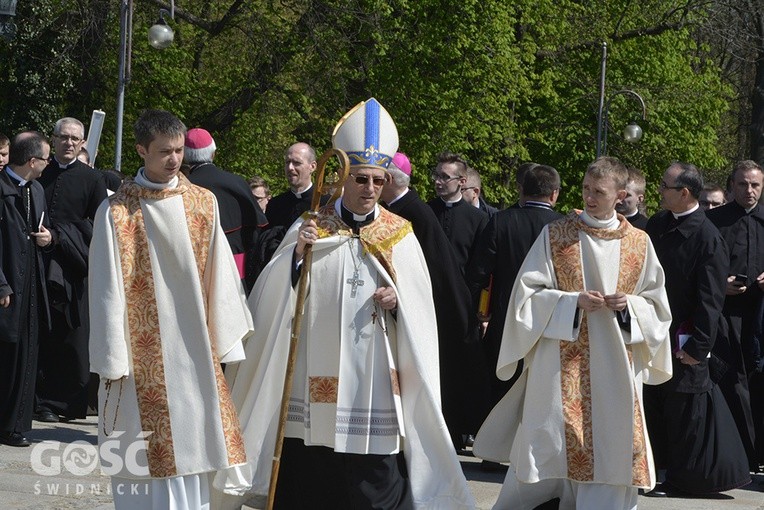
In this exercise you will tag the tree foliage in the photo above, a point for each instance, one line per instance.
(501, 82)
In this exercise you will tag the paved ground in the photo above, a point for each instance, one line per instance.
(21, 487)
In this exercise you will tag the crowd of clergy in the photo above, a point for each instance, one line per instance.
(592, 356)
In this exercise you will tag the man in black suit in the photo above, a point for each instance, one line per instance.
(635, 198)
(299, 165)
(501, 251)
(691, 428)
(741, 223)
(23, 297)
(462, 391)
(461, 222)
(73, 191)
(240, 216)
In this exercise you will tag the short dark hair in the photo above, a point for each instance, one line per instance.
(25, 146)
(522, 170)
(153, 123)
(607, 166)
(638, 179)
(4, 141)
(541, 181)
(690, 178)
(451, 157)
(713, 188)
(744, 166)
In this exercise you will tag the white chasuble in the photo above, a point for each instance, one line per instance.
(368, 379)
(576, 412)
(166, 308)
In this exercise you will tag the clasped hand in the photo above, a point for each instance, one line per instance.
(592, 300)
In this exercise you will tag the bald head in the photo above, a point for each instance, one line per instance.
(299, 165)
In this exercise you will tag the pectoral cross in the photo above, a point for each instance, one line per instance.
(355, 282)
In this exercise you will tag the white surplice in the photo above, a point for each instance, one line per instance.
(527, 427)
(342, 336)
(195, 315)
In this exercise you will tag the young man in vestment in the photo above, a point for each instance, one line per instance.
(364, 428)
(168, 308)
(694, 435)
(589, 316)
(23, 297)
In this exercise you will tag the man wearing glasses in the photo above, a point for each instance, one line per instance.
(73, 191)
(369, 325)
(461, 222)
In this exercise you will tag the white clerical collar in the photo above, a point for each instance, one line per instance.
(748, 211)
(627, 216)
(357, 217)
(610, 223)
(301, 193)
(63, 166)
(692, 210)
(451, 203)
(15, 176)
(533, 203)
(144, 181)
(403, 193)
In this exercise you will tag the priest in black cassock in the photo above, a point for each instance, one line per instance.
(240, 216)
(501, 251)
(635, 198)
(462, 391)
(692, 431)
(23, 298)
(73, 191)
(461, 222)
(741, 223)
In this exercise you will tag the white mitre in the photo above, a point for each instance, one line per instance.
(367, 134)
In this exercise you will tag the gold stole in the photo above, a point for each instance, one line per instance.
(574, 356)
(143, 318)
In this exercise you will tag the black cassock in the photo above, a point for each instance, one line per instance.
(282, 211)
(500, 252)
(462, 223)
(691, 429)
(638, 220)
(73, 195)
(240, 216)
(21, 277)
(463, 384)
(743, 234)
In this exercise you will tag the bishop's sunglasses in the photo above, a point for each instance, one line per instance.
(364, 179)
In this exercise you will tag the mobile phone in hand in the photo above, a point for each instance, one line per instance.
(741, 279)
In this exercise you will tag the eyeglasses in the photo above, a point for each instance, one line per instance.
(663, 185)
(67, 138)
(364, 179)
(442, 177)
(261, 198)
(45, 160)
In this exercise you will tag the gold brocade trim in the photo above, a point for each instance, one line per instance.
(143, 324)
(323, 389)
(199, 206)
(378, 237)
(575, 356)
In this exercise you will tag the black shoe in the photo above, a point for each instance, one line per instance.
(46, 416)
(492, 467)
(13, 439)
(660, 491)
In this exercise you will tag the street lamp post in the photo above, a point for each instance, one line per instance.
(160, 36)
(632, 133)
(7, 12)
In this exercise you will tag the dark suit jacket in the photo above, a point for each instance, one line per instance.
(500, 252)
(15, 249)
(694, 258)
